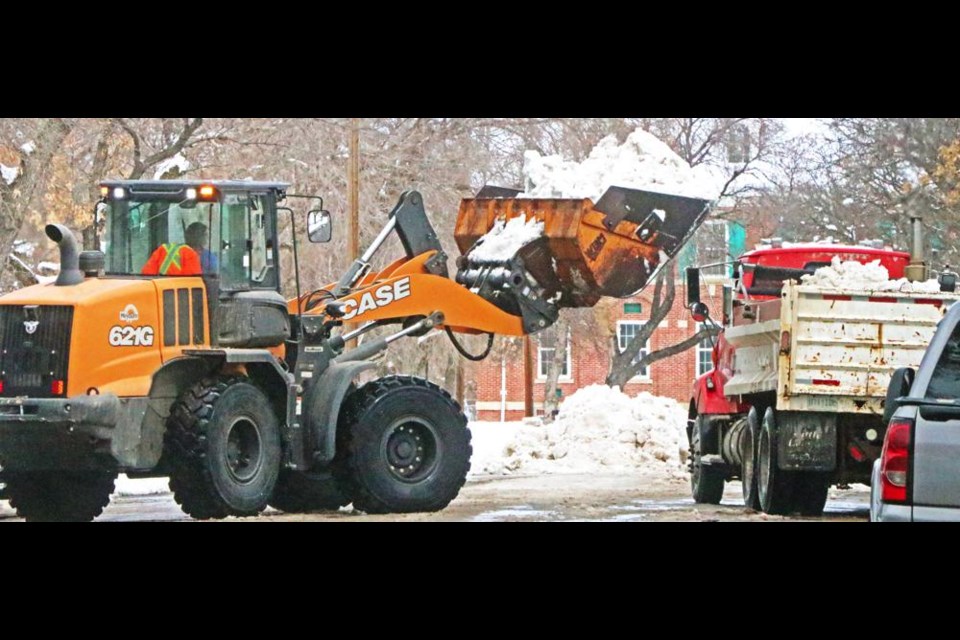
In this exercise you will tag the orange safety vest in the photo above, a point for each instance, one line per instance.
(173, 259)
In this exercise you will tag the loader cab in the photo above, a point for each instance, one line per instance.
(230, 225)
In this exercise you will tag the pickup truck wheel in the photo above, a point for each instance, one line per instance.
(706, 483)
(403, 446)
(775, 485)
(810, 492)
(748, 462)
(59, 496)
(223, 443)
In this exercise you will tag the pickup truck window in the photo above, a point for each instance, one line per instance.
(945, 382)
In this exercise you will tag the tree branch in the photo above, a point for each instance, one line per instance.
(189, 128)
(679, 347)
(138, 167)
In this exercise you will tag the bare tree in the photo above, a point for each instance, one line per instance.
(628, 363)
(43, 139)
(741, 148)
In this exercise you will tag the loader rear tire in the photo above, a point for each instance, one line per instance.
(298, 492)
(403, 446)
(706, 483)
(59, 496)
(223, 444)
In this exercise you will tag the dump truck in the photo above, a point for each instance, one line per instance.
(797, 397)
(171, 352)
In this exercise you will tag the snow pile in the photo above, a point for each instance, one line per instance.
(9, 174)
(850, 274)
(141, 487)
(643, 161)
(28, 147)
(177, 162)
(24, 248)
(601, 429)
(504, 240)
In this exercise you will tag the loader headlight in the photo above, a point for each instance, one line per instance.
(119, 193)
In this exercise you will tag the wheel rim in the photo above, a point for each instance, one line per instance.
(244, 450)
(411, 449)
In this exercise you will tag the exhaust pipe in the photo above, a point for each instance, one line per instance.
(70, 273)
(916, 271)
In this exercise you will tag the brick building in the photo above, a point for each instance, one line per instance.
(499, 380)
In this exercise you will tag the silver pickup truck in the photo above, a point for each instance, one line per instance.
(917, 477)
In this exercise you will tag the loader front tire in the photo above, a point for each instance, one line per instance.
(402, 446)
(223, 444)
(59, 496)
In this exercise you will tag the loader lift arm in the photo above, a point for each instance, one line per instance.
(586, 251)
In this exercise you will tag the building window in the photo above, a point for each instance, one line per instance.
(704, 353)
(626, 331)
(546, 347)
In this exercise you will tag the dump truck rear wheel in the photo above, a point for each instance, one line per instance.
(59, 496)
(748, 461)
(775, 485)
(706, 484)
(223, 443)
(403, 446)
(298, 492)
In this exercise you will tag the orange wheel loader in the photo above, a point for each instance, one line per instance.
(171, 351)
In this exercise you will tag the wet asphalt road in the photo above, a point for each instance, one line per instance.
(550, 498)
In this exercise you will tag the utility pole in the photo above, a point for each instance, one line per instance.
(353, 201)
(527, 378)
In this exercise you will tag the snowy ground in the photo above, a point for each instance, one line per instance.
(599, 430)
(607, 457)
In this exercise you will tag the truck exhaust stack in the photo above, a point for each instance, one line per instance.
(916, 271)
(70, 273)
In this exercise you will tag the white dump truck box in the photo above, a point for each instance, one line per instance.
(834, 350)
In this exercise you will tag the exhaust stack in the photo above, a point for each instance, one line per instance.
(70, 273)
(916, 271)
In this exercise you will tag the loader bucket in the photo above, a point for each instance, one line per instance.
(587, 250)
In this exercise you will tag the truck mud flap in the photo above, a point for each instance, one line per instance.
(807, 441)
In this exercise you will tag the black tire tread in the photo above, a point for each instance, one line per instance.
(709, 490)
(748, 477)
(60, 496)
(346, 469)
(185, 443)
(779, 493)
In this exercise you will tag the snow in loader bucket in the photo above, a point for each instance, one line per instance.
(530, 256)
